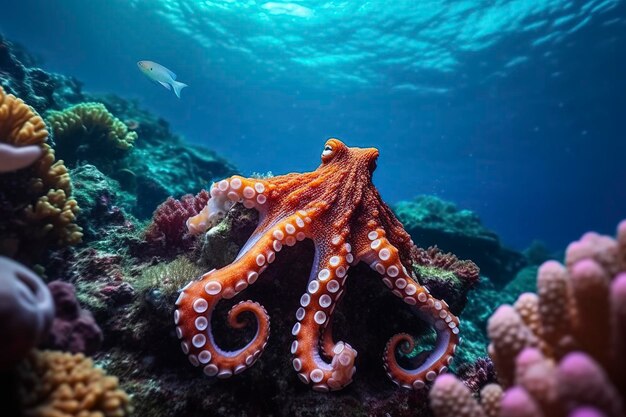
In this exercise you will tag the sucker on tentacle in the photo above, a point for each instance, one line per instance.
(325, 288)
(384, 259)
(337, 207)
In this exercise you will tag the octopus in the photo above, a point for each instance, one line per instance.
(340, 210)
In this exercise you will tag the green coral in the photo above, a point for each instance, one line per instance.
(88, 132)
(435, 273)
(168, 277)
(91, 119)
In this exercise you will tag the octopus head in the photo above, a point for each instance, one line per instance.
(338, 155)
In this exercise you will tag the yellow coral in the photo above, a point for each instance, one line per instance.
(20, 125)
(40, 196)
(58, 384)
(87, 117)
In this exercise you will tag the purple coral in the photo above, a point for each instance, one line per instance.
(168, 229)
(478, 374)
(560, 352)
(26, 311)
(73, 329)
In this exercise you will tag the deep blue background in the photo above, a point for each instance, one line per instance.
(539, 151)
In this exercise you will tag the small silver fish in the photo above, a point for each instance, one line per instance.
(162, 75)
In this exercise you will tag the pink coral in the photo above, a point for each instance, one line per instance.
(560, 352)
(73, 329)
(168, 229)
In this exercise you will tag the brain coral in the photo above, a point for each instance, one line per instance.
(36, 210)
(64, 385)
(88, 131)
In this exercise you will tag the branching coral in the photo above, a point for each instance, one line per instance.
(36, 210)
(65, 385)
(561, 351)
(168, 229)
(21, 125)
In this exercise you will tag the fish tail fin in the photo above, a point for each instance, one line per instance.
(177, 86)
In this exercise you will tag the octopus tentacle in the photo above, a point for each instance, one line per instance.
(326, 285)
(327, 342)
(251, 192)
(198, 300)
(196, 304)
(383, 257)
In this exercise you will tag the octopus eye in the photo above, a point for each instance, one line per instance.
(332, 149)
(328, 151)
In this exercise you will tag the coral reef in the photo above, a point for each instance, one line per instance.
(559, 351)
(450, 398)
(62, 384)
(73, 328)
(161, 164)
(141, 342)
(221, 243)
(20, 75)
(431, 221)
(129, 270)
(36, 211)
(26, 311)
(105, 208)
(168, 277)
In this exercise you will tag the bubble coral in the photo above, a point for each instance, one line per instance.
(559, 352)
(65, 385)
(36, 210)
(26, 311)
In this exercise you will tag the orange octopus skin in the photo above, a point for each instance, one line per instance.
(337, 207)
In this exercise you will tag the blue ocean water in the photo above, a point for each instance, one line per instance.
(514, 109)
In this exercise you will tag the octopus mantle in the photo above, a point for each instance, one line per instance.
(340, 210)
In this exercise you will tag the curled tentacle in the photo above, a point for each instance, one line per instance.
(235, 314)
(198, 300)
(401, 341)
(383, 257)
(193, 319)
(317, 359)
